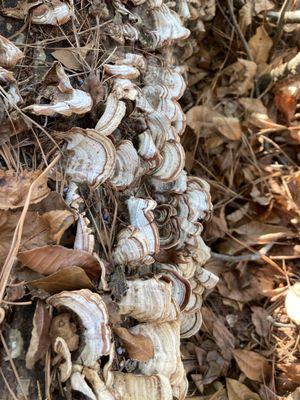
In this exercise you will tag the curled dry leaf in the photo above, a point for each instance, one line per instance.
(68, 278)
(138, 347)
(90, 157)
(59, 221)
(14, 187)
(238, 391)
(40, 339)
(253, 365)
(91, 311)
(49, 259)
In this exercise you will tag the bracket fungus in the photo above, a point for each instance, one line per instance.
(134, 221)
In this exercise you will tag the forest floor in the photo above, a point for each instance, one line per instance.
(242, 65)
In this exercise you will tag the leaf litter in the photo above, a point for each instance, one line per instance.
(242, 137)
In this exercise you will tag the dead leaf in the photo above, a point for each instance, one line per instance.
(237, 78)
(229, 127)
(40, 339)
(259, 319)
(245, 16)
(71, 57)
(291, 372)
(260, 45)
(256, 232)
(69, 278)
(35, 232)
(253, 365)
(238, 391)
(59, 221)
(200, 117)
(49, 259)
(254, 284)
(138, 347)
(223, 337)
(14, 188)
(263, 5)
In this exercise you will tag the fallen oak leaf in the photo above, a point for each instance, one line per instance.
(253, 365)
(40, 339)
(69, 278)
(238, 391)
(138, 347)
(49, 259)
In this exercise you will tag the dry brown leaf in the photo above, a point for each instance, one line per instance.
(259, 319)
(69, 278)
(256, 232)
(14, 188)
(229, 127)
(253, 365)
(223, 337)
(255, 283)
(71, 57)
(260, 45)
(59, 221)
(138, 347)
(200, 117)
(237, 78)
(49, 259)
(245, 16)
(262, 5)
(40, 339)
(291, 372)
(35, 232)
(238, 391)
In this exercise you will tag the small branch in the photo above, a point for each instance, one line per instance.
(244, 257)
(290, 17)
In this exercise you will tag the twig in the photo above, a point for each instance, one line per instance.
(290, 17)
(281, 21)
(237, 27)
(243, 257)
